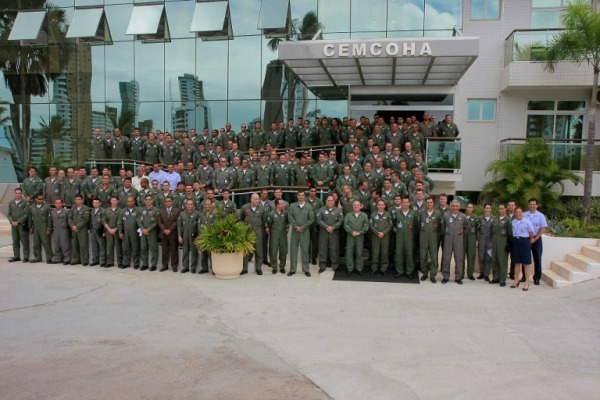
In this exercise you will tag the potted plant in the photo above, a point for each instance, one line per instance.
(227, 239)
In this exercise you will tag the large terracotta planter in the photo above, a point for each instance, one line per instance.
(227, 265)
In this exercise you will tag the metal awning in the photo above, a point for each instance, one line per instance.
(380, 62)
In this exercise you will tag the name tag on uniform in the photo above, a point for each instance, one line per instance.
(399, 224)
(451, 219)
(56, 190)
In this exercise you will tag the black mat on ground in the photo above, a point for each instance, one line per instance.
(340, 275)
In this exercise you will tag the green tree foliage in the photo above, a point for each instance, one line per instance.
(580, 42)
(529, 171)
(51, 131)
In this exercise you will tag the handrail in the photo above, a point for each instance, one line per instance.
(533, 30)
(549, 140)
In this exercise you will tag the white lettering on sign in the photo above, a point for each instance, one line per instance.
(376, 49)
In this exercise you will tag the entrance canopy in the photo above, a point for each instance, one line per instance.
(380, 62)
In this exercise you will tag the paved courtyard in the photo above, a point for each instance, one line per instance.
(73, 332)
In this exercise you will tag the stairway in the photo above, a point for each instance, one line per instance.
(577, 267)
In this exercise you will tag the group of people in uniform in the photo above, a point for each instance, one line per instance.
(368, 193)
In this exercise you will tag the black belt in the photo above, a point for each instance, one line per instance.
(520, 237)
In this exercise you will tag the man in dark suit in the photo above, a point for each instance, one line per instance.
(167, 223)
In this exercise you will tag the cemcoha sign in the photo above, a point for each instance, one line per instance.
(376, 49)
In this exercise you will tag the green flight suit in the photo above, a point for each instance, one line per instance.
(169, 153)
(484, 244)
(343, 180)
(316, 205)
(113, 244)
(380, 247)
(321, 173)
(70, 189)
(263, 175)
(453, 229)
(39, 226)
(501, 234)
(187, 229)
(258, 140)
(257, 219)
(148, 219)
(31, 188)
(471, 229)
(137, 149)
(104, 194)
(20, 234)
(131, 240)
(151, 152)
(329, 243)
(245, 179)
(98, 236)
(204, 220)
(355, 244)
(429, 231)
(300, 217)
(279, 225)
(79, 240)
(405, 228)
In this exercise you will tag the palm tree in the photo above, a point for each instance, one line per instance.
(28, 70)
(526, 172)
(3, 119)
(125, 123)
(301, 30)
(580, 42)
(55, 130)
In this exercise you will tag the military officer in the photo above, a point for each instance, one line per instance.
(98, 234)
(137, 146)
(258, 138)
(356, 225)
(448, 128)
(471, 230)
(100, 147)
(381, 225)
(245, 179)
(453, 228)
(316, 205)
(501, 234)
(18, 216)
(301, 173)
(151, 150)
(104, 192)
(301, 218)
(255, 215)
(405, 227)
(169, 151)
(72, 186)
(329, 219)
(206, 217)
(321, 173)
(282, 174)
(61, 242)
(167, 223)
(32, 185)
(430, 222)
(111, 216)
(346, 179)
(128, 233)
(484, 242)
(120, 146)
(79, 220)
(52, 186)
(278, 224)
(223, 178)
(39, 226)
(187, 230)
(147, 221)
(263, 172)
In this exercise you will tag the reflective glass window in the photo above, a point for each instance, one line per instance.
(485, 9)
(368, 15)
(241, 12)
(245, 68)
(571, 105)
(273, 14)
(145, 20)
(443, 14)
(179, 12)
(481, 109)
(85, 22)
(178, 68)
(211, 67)
(334, 15)
(545, 3)
(151, 116)
(545, 19)
(118, 19)
(406, 15)
(119, 68)
(27, 25)
(299, 8)
(242, 112)
(209, 16)
(150, 70)
(98, 86)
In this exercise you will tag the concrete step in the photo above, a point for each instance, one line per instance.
(569, 271)
(585, 263)
(592, 252)
(555, 280)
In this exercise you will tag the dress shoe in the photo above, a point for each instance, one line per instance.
(494, 281)
(163, 269)
(203, 271)
(192, 271)
(26, 259)
(110, 265)
(424, 278)
(445, 280)
(152, 269)
(175, 269)
(480, 277)
(487, 279)
(274, 271)
(85, 264)
(185, 270)
(243, 272)
(374, 272)
(143, 267)
(398, 274)
(259, 271)
(459, 281)
(103, 265)
(74, 263)
(502, 284)
(14, 259)
(383, 273)
(511, 276)
(314, 262)
(33, 261)
(290, 273)
(432, 279)
(411, 276)
(307, 274)
(536, 283)
(136, 267)
(523, 279)
(321, 270)
(121, 266)
(348, 273)
(92, 264)
(49, 262)
(360, 273)
(267, 263)
(471, 277)
(66, 263)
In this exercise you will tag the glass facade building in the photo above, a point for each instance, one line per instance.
(76, 65)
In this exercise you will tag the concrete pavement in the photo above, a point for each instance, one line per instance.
(84, 332)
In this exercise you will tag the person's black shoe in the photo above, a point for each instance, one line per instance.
(92, 264)
(321, 270)
(243, 272)
(121, 266)
(203, 271)
(459, 281)
(445, 280)
(411, 275)
(398, 274)
(492, 282)
(512, 276)
(424, 278)
(536, 283)
(502, 284)
(374, 272)
(314, 262)
(523, 279)
(110, 265)
(185, 270)
(33, 261)
(143, 267)
(152, 269)
(259, 272)
(487, 279)
(282, 270)
(480, 277)
(49, 262)
(471, 277)
(66, 263)
(14, 259)
(26, 259)
(348, 273)
(383, 273)
(432, 279)
(136, 267)
(360, 273)
(163, 269)
(307, 274)
(267, 263)
(290, 273)
(193, 271)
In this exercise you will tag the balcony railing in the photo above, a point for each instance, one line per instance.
(443, 154)
(569, 154)
(527, 45)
